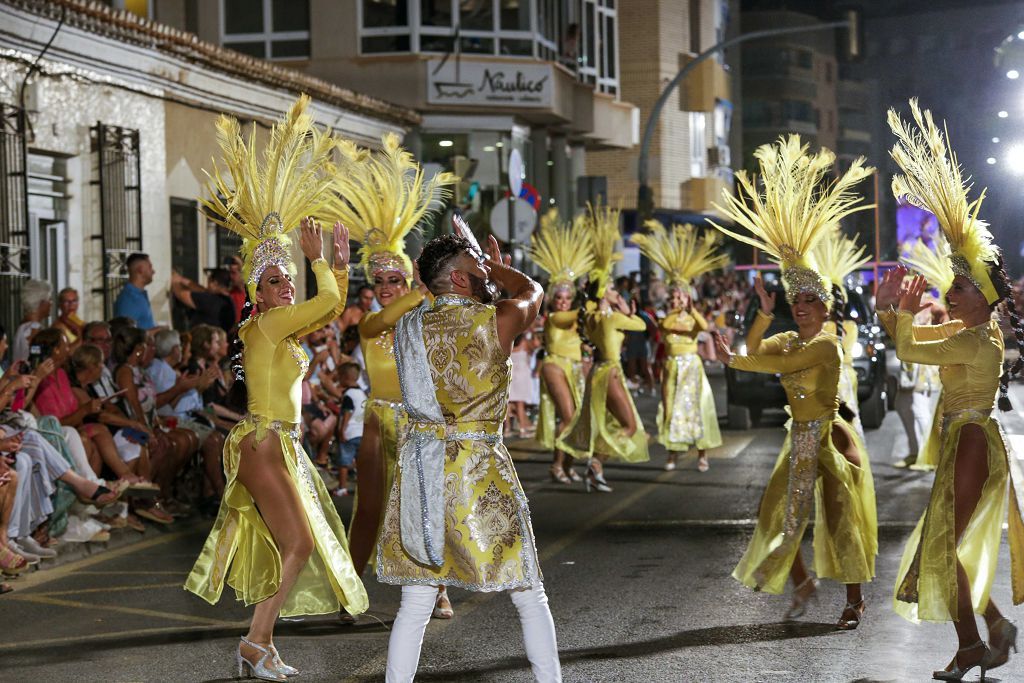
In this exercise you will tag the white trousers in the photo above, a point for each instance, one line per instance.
(915, 409)
(418, 606)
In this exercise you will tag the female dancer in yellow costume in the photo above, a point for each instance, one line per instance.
(687, 417)
(837, 257)
(950, 559)
(278, 540)
(565, 252)
(382, 196)
(607, 425)
(823, 462)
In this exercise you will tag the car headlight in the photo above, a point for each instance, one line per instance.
(858, 350)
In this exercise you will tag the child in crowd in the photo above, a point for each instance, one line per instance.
(350, 429)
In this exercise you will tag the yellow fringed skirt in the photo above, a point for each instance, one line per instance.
(595, 431)
(687, 417)
(390, 417)
(928, 456)
(240, 549)
(926, 588)
(810, 471)
(547, 420)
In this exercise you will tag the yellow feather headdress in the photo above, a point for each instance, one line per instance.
(381, 196)
(933, 182)
(934, 265)
(563, 249)
(602, 222)
(682, 253)
(264, 196)
(796, 208)
(838, 256)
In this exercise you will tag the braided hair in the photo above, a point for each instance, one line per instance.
(837, 316)
(590, 294)
(238, 397)
(1001, 282)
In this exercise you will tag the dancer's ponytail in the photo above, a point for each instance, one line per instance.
(1001, 281)
(238, 397)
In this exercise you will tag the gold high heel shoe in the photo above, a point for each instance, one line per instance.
(802, 596)
(1001, 637)
(857, 608)
(954, 673)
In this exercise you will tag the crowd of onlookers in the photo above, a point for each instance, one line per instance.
(120, 423)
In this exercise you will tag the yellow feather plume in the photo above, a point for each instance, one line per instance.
(682, 253)
(381, 196)
(932, 180)
(933, 264)
(798, 204)
(290, 178)
(602, 222)
(563, 249)
(838, 255)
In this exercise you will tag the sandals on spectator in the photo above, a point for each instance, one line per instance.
(155, 513)
(133, 522)
(101, 497)
(5, 588)
(11, 563)
(141, 489)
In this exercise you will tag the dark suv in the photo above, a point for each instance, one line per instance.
(749, 393)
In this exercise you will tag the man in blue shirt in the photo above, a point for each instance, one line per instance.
(133, 302)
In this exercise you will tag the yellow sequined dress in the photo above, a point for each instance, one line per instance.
(970, 364)
(848, 377)
(594, 430)
(562, 350)
(687, 417)
(240, 549)
(488, 537)
(810, 471)
(384, 404)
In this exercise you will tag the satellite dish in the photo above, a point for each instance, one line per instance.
(524, 218)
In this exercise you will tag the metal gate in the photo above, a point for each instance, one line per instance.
(120, 191)
(14, 242)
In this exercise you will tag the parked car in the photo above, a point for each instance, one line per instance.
(750, 393)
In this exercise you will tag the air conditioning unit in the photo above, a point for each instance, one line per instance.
(718, 156)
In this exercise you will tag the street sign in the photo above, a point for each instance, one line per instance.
(515, 172)
(523, 220)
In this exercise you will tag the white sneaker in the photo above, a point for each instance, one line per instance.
(30, 544)
(31, 558)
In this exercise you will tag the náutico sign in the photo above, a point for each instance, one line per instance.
(494, 84)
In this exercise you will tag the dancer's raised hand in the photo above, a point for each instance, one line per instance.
(767, 300)
(342, 251)
(910, 297)
(890, 288)
(722, 349)
(311, 239)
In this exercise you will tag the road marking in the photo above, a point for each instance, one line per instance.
(44, 600)
(379, 662)
(724, 524)
(115, 635)
(38, 578)
(110, 589)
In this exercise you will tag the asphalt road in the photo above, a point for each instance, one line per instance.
(639, 583)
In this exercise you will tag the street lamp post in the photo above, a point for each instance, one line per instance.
(645, 195)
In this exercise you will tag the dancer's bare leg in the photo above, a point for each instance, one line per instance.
(262, 471)
(558, 386)
(370, 495)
